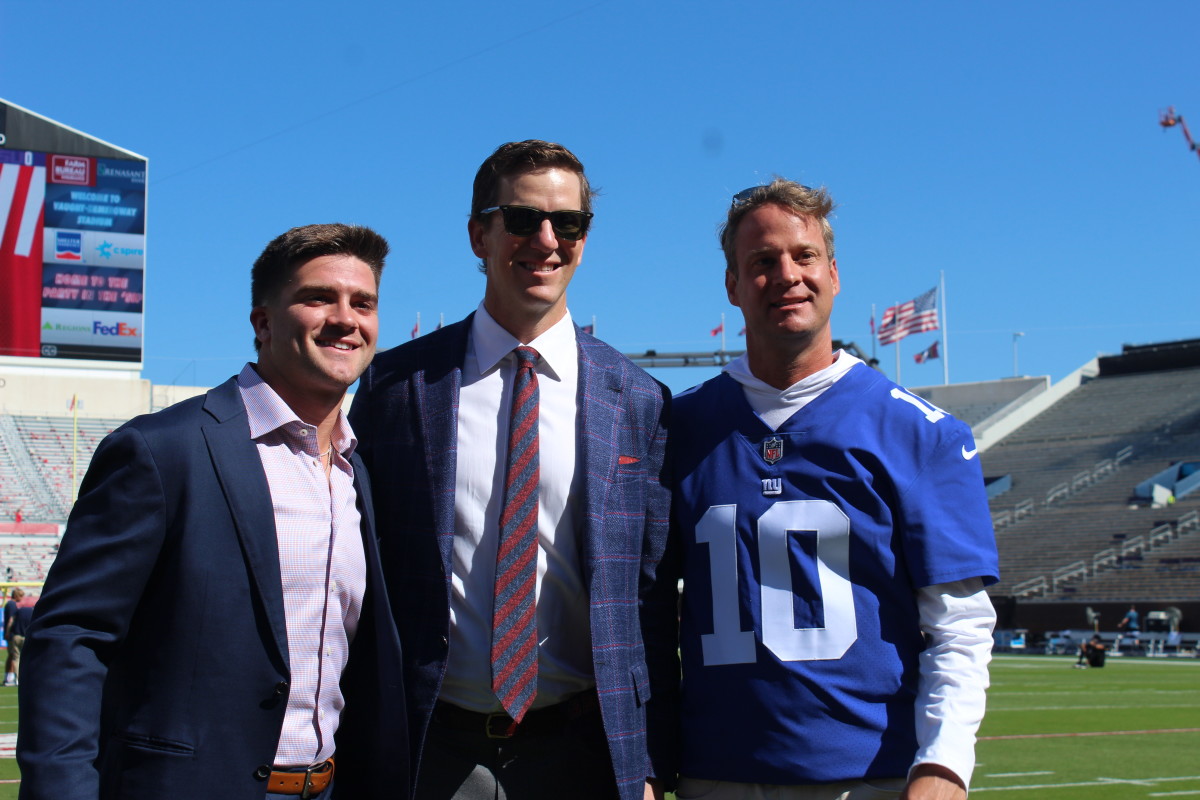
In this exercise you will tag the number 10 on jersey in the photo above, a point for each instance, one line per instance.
(728, 643)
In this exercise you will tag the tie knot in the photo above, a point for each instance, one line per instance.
(526, 357)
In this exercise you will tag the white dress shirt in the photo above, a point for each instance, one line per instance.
(563, 626)
(958, 617)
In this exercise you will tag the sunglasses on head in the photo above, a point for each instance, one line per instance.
(745, 194)
(525, 221)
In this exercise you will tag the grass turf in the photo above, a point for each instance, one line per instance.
(1128, 731)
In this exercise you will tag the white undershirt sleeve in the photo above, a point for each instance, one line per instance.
(958, 618)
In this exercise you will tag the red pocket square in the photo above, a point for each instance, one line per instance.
(628, 459)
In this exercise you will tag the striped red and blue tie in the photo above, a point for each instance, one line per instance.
(514, 626)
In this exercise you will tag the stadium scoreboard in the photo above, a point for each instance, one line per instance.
(72, 243)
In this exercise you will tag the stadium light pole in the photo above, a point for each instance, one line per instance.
(1016, 338)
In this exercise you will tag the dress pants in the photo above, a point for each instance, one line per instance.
(458, 763)
(874, 789)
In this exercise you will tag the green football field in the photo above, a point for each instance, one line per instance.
(1128, 731)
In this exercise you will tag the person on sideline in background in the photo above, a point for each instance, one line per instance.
(16, 639)
(215, 623)
(836, 541)
(10, 613)
(524, 519)
(1091, 653)
(1129, 625)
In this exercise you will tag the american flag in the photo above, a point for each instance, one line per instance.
(915, 316)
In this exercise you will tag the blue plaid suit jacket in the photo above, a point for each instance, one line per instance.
(405, 416)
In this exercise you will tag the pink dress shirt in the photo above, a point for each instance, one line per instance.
(321, 562)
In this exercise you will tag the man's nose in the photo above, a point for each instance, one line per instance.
(545, 238)
(790, 271)
(342, 313)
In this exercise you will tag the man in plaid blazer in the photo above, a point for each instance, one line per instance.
(433, 418)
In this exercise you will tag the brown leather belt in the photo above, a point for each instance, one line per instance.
(306, 783)
(499, 725)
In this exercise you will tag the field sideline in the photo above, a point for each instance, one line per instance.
(1128, 731)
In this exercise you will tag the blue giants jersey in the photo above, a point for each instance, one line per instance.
(803, 549)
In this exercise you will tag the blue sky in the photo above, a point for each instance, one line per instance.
(1014, 146)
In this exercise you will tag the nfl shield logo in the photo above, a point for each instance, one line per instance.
(773, 449)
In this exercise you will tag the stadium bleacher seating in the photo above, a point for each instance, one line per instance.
(41, 460)
(1068, 528)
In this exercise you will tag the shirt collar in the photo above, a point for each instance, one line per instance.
(266, 411)
(492, 343)
(819, 381)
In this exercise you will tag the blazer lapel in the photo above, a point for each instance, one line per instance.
(436, 390)
(599, 399)
(240, 472)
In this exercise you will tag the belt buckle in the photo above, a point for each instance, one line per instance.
(504, 731)
(308, 775)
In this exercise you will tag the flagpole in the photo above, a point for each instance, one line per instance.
(593, 324)
(945, 331)
(895, 320)
(874, 338)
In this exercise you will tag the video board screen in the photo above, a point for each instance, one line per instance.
(72, 255)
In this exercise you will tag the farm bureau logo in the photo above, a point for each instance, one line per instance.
(71, 169)
(120, 329)
(68, 246)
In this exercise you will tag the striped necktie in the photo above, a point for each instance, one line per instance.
(514, 626)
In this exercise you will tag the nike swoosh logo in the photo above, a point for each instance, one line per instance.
(969, 454)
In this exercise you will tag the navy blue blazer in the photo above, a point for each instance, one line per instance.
(157, 662)
(406, 416)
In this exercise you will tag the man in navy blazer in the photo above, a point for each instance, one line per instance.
(219, 571)
(434, 417)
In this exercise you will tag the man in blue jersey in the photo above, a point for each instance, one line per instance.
(836, 540)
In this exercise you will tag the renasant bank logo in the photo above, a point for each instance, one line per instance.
(133, 174)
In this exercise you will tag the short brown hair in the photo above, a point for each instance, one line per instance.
(801, 200)
(289, 251)
(518, 158)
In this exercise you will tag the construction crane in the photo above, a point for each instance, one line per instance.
(1169, 119)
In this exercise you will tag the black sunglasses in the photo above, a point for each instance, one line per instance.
(525, 221)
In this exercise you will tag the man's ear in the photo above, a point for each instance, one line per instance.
(731, 286)
(475, 230)
(260, 321)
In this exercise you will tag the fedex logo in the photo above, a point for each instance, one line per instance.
(120, 329)
(71, 169)
(68, 246)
